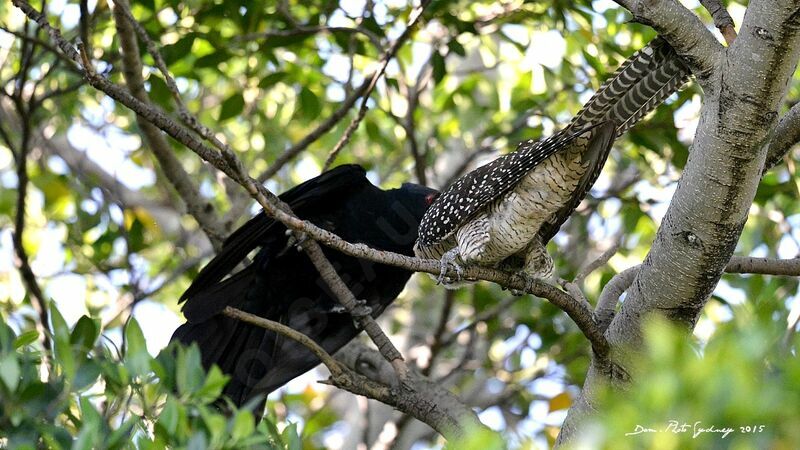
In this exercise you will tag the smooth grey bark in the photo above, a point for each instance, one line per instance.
(699, 232)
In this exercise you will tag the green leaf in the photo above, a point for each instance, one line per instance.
(291, 438)
(137, 359)
(243, 424)
(91, 426)
(189, 371)
(89, 412)
(372, 25)
(214, 383)
(164, 366)
(63, 349)
(478, 439)
(7, 337)
(214, 423)
(84, 334)
(309, 104)
(271, 79)
(213, 59)
(198, 441)
(86, 375)
(87, 437)
(231, 107)
(26, 338)
(10, 371)
(439, 69)
(170, 416)
(178, 50)
(456, 48)
(159, 92)
(149, 4)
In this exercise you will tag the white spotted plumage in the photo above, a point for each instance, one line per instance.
(508, 209)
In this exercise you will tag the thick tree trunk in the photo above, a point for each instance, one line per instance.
(743, 93)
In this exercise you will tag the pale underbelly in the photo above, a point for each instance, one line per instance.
(514, 219)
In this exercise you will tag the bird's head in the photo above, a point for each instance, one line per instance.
(417, 198)
(408, 205)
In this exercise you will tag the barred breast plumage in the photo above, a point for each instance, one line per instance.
(507, 210)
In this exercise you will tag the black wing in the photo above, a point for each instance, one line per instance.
(203, 297)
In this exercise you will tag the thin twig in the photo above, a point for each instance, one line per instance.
(387, 57)
(354, 307)
(444, 315)
(23, 261)
(722, 20)
(333, 366)
(599, 262)
(41, 43)
(609, 297)
(86, 26)
(306, 30)
(199, 208)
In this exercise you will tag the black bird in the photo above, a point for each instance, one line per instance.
(281, 284)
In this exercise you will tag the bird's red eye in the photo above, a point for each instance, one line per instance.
(430, 198)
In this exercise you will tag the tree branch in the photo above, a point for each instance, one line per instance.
(722, 20)
(201, 209)
(437, 341)
(22, 261)
(412, 21)
(609, 297)
(683, 30)
(417, 396)
(360, 313)
(786, 135)
(24, 109)
(764, 266)
(337, 371)
(306, 30)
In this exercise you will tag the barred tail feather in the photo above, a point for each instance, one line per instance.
(640, 84)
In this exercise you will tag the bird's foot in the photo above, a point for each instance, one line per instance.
(447, 262)
(528, 280)
(295, 239)
(402, 371)
(361, 309)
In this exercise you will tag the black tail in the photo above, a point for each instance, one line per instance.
(242, 351)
